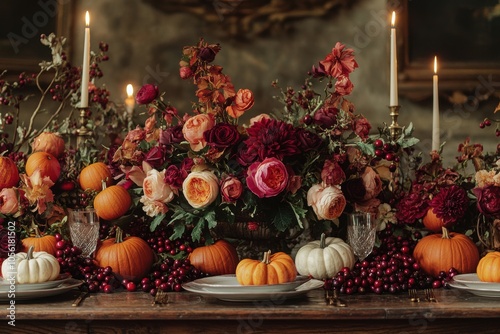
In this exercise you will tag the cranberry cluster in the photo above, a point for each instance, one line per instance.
(388, 152)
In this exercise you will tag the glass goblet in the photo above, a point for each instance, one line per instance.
(84, 230)
(361, 233)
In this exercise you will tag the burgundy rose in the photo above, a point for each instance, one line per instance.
(146, 94)
(326, 117)
(156, 156)
(488, 200)
(308, 140)
(222, 135)
(174, 177)
(354, 190)
(171, 135)
(186, 166)
(7, 247)
(412, 207)
(450, 204)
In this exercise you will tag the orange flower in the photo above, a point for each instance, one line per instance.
(244, 100)
(200, 189)
(194, 128)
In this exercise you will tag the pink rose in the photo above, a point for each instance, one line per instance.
(243, 101)
(194, 128)
(327, 202)
(185, 72)
(372, 183)
(332, 174)
(343, 86)
(267, 178)
(231, 189)
(200, 189)
(155, 188)
(362, 127)
(8, 201)
(146, 94)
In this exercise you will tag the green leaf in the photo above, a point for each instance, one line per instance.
(197, 231)
(179, 229)
(156, 222)
(409, 142)
(367, 149)
(283, 218)
(409, 129)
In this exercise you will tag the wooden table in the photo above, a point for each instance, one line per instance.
(133, 312)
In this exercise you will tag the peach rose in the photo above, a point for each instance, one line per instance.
(155, 188)
(200, 188)
(372, 183)
(231, 189)
(194, 128)
(8, 201)
(243, 101)
(327, 202)
(267, 178)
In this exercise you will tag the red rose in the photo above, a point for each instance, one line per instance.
(362, 127)
(332, 174)
(174, 177)
(156, 156)
(222, 135)
(146, 94)
(488, 200)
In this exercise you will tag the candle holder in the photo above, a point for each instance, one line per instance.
(83, 133)
(395, 129)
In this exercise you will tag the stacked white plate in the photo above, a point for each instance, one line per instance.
(61, 284)
(226, 287)
(472, 284)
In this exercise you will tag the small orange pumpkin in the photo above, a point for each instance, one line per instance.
(433, 223)
(93, 176)
(273, 269)
(220, 258)
(49, 142)
(40, 243)
(488, 269)
(130, 258)
(112, 203)
(46, 162)
(9, 175)
(440, 252)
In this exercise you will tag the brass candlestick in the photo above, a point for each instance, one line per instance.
(83, 132)
(395, 128)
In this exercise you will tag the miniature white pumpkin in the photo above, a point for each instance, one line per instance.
(324, 258)
(31, 267)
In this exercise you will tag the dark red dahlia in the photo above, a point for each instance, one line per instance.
(450, 204)
(412, 207)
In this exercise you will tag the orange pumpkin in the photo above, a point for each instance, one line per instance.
(220, 258)
(46, 162)
(273, 269)
(440, 252)
(488, 269)
(40, 243)
(9, 175)
(434, 223)
(93, 176)
(49, 142)
(130, 258)
(112, 203)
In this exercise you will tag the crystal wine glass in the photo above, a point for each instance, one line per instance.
(361, 233)
(84, 229)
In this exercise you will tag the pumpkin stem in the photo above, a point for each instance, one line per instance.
(103, 184)
(118, 235)
(322, 241)
(266, 257)
(29, 255)
(446, 235)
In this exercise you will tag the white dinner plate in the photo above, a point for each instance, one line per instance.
(229, 283)
(5, 286)
(34, 294)
(248, 296)
(472, 281)
(482, 292)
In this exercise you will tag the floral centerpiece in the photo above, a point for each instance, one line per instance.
(300, 166)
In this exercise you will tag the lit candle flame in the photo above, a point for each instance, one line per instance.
(393, 20)
(435, 65)
(87, 19)
(130, 90)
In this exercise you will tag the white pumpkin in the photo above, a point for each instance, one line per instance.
(31, 267)
(324, 258)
